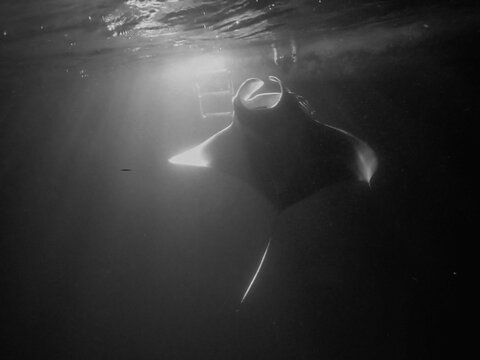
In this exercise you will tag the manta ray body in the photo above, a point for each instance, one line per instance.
(277, 144)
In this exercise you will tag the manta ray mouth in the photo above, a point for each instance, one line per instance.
(249, 98)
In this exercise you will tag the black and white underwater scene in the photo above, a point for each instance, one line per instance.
(244, 179)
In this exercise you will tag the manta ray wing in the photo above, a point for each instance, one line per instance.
(278, 147)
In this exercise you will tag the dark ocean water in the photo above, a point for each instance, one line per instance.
(109, 251)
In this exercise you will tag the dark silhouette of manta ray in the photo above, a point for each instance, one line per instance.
(277, 145)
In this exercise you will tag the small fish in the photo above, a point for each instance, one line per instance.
(126, 169)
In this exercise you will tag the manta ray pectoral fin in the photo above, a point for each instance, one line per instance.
(367, 162)
(204, 154)
(224, 151)
(193, 157)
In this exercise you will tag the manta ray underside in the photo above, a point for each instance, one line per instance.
(277, 145)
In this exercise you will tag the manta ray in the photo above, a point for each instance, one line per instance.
(277, 144)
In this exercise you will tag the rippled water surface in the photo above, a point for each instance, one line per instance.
(110, 251)
(86, 28)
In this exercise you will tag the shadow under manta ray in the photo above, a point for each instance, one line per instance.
(277, 145)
